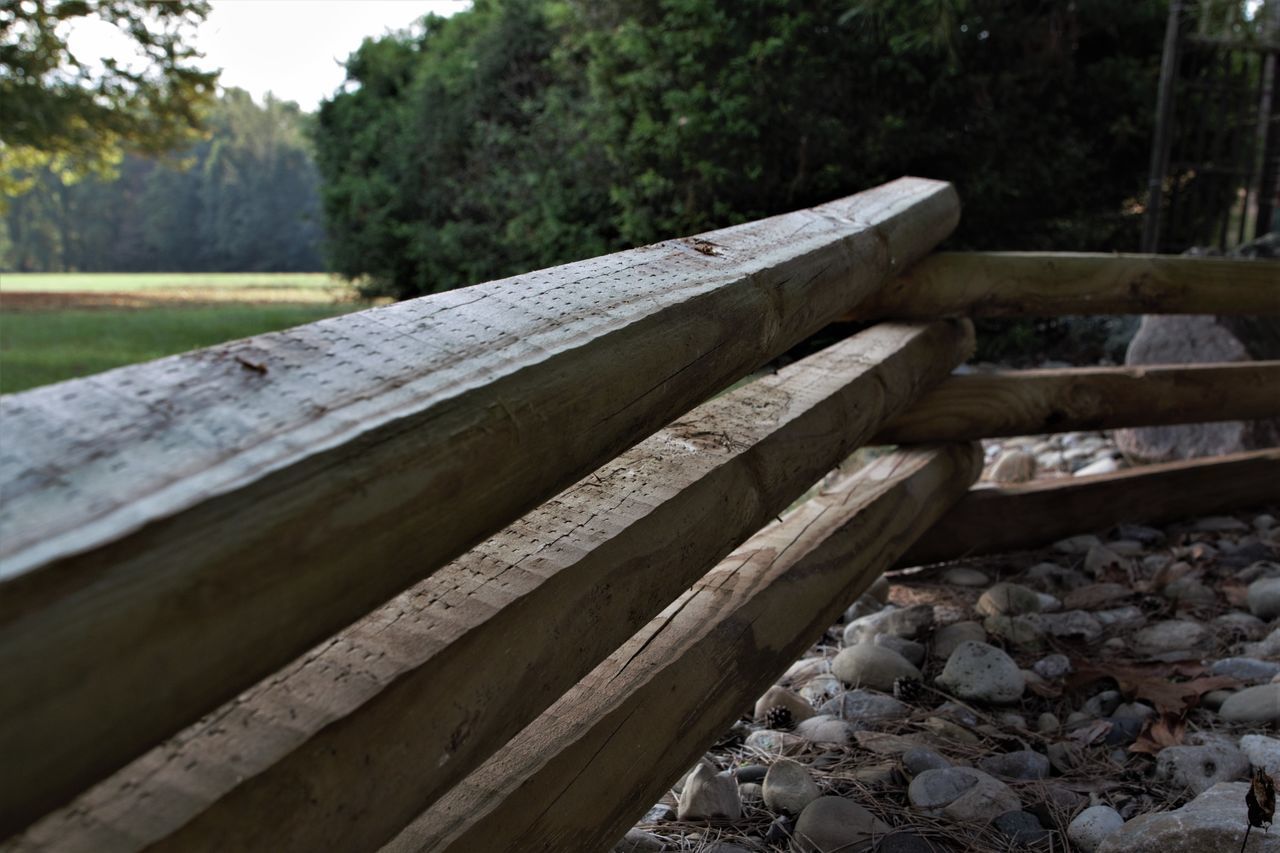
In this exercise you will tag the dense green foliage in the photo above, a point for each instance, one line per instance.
(78, 115)
(245, 198)
(527, 132)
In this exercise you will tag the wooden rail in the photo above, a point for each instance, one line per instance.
(992, 519)
(1023, 284)
(1033, 402)
(172, 512)
(573, 580)
(480, 503)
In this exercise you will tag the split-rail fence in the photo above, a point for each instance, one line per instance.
(486, 570)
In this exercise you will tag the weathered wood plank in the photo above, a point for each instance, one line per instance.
(1031, 402)
(172, 532)
(1024, 284)
(580, 775)
(567, 585)
(994, 519)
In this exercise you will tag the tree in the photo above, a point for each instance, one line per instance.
(522, 133)
(78, 116)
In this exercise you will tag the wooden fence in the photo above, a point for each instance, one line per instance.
(425, 577)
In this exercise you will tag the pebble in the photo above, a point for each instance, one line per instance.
(1013, 466)
(780, 696)
(919, 759)
(1047, 723)
(1054, 578)
(1199, 768)
(750, 773)
(1240, 625)
(1264, 522)
(1140, 533)
(750, 793)
(1095, 595)
(1021, 827)
(872, 666)
(961, 794)
(820, 688)
(1262, 751)
(980, 671)
(1248, 670)
(909, 649)
(961, 576)
(709, 795)
(905, 622)
(1213, 821)
(1268, 647)
(1219, 524)
(1073, 625)
(1017, 630)
(1008, 599)
(831, 824)
(1190, 591)
(774, 742)
(863, 707)
(805, 669)
(1105, 465)
(949, 637)
(1121, 618)
(1076, 545)
(1259, 704)
(1092, 826)
(1052, 666)
(1022, 765)
(1264, 598)
(1171, 637)
(789, 787)
(1099, 559)
(825, 729)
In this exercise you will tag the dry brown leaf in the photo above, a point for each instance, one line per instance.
(1261, 802)
(1178, 697)
(1160, 732)
(1152, 683)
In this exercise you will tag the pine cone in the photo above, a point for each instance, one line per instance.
(779, 717)
(908, 689)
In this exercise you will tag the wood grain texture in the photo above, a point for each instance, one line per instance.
(581, 774)
(172, 532)
(1023, 284)
(344, 747)
(994, 519)
(1032, 402)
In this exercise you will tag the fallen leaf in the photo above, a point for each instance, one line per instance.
(1261, 802)
(1160, 732)
(1153, 683)
(1261, 799)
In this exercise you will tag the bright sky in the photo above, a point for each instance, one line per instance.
(293, 48)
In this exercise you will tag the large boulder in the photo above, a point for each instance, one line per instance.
(1183, 339)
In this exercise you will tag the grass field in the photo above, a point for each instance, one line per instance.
(55, 326)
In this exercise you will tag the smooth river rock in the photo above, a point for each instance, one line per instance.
(1259, 704)
(789, 787)
(868, 665)
(836, 825)
(1213, 821)
(983, 672)
(961, 794)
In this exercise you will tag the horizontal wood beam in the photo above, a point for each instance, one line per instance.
(1055, 284)
(581, 774)
(995, 519)
(174, 531)
(387, 716)
(1032, 402)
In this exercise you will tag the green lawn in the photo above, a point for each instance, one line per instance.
(130, 282)
(39, 347)
(56, 326)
